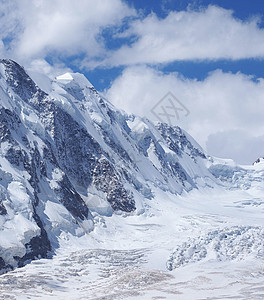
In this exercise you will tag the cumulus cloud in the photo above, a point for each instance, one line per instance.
(51, 71)
(65, 28)
(42, 72)
(34, 29)
(209, 33)
(222, 102)
(238, 145)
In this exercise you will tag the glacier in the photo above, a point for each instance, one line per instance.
(109, 197)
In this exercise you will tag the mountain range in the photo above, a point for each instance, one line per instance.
(68, 155)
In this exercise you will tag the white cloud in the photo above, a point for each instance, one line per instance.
(223, 102)
(42, 73)
(42, 66)
(210, 33)
(2, 48)
(34, 29)
(236, 144)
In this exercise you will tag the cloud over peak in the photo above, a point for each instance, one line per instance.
(221, 103)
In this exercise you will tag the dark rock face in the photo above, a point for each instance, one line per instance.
(38, 247)
(2, 263)
(71, 199)
(79, 156)
(111, 140)
(8, 121)
(178, 142)
(75, 149)
(107, 181)
(20, 82)
(4, 267)
(2, 209)
(258, 160)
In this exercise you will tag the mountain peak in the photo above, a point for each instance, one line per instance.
(78, 78)
(259, 161)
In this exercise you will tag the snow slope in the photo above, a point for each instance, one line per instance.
(201, 245)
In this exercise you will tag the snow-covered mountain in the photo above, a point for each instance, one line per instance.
(68, 156)
(259, 161)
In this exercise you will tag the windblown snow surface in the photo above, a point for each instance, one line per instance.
(205, 244)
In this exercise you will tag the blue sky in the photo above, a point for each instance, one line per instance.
(243, 9)
(208, 53)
